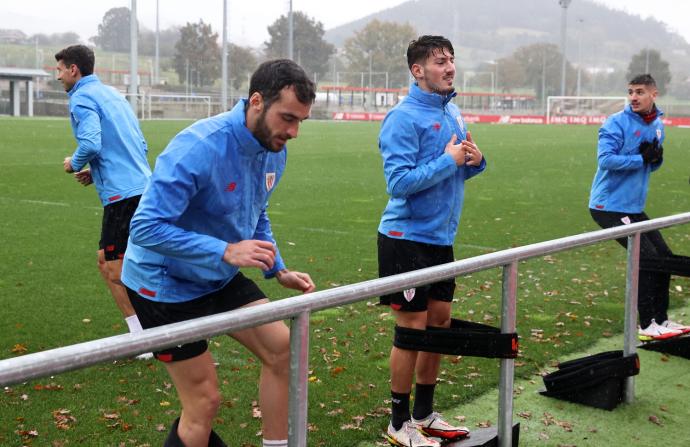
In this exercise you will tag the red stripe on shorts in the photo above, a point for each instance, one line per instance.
(114, 198)
(395, 233)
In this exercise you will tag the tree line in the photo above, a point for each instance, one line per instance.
(375, 50)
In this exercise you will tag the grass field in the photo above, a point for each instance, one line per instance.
(325, 213)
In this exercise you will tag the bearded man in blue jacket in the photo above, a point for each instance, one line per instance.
(630, 149)
(427, 156)
(110, 141)
(203, 217)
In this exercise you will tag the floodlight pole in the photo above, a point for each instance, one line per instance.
(564, 24)
(290, 33)
(579, 57)
(133, 57)
(156, 72)
(224, 59)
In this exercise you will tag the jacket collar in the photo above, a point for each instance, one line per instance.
(431, 99)
(248, 144)
(629, 111)
(81, 82)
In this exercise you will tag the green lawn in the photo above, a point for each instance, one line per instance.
(325, 213)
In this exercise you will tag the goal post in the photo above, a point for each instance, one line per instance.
(582, 109)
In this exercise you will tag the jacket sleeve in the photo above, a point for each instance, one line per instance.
(399, 146)
(168, 194)
(471, 171)
(264, 233)
(609, 151)
(88, 135)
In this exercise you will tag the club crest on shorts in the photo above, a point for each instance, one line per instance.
(409, 294)
(270, 180)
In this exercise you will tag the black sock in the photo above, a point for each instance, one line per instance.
(423, 400)
(400, 406)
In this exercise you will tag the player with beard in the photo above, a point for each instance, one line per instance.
(427, 156)
(203, 217)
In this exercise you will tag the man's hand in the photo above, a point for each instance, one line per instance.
(251, 253)
(295, 280)
(84, 177)
(67, 164)
(651, 151)
(456, 151)
(473, 156)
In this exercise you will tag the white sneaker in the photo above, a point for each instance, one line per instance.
(434, 425)
(676, 326)
(657, 332)
(409, 436)
(145, 356)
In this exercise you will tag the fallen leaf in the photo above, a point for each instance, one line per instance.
(19, 349)
(655, 420)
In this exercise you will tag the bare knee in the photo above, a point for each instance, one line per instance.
(278, 359)
(114, 272)
(204, 408)
(439, 321)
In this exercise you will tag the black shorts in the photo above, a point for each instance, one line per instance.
(115, 227)
(399, 256)
(238, 292)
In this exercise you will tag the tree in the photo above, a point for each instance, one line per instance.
(166, 41)
(113, 32)
(380, 47)
(241, 63)
(310, 50)
(650, 61)
(198, 51)
(541, 65)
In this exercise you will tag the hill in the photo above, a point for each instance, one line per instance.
(484, 30)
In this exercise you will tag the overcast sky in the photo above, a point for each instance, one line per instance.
(246, 26)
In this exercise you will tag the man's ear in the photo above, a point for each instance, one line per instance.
(256, 101)
(417, 71)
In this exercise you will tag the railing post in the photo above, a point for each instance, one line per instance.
(505, 385)
(630, 329)
(299, 371)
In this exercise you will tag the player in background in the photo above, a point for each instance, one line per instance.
(630, 149)
(110, 141)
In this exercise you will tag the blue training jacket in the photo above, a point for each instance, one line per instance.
(622, 178)
(425, 185)
(210, 187)
(108, 139)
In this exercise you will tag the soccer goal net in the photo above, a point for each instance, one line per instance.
(582, 109)
(171, 106)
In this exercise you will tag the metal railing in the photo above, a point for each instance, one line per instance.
(299, 309)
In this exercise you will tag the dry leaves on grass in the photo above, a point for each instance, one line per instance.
(63, 419)
(655, 420)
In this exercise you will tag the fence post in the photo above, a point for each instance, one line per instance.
(505, 385)
(630, 329)
(299, 371)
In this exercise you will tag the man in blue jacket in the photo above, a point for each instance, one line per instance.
(203, 217)
(630, 149)
(427, 156)
(110, 141)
